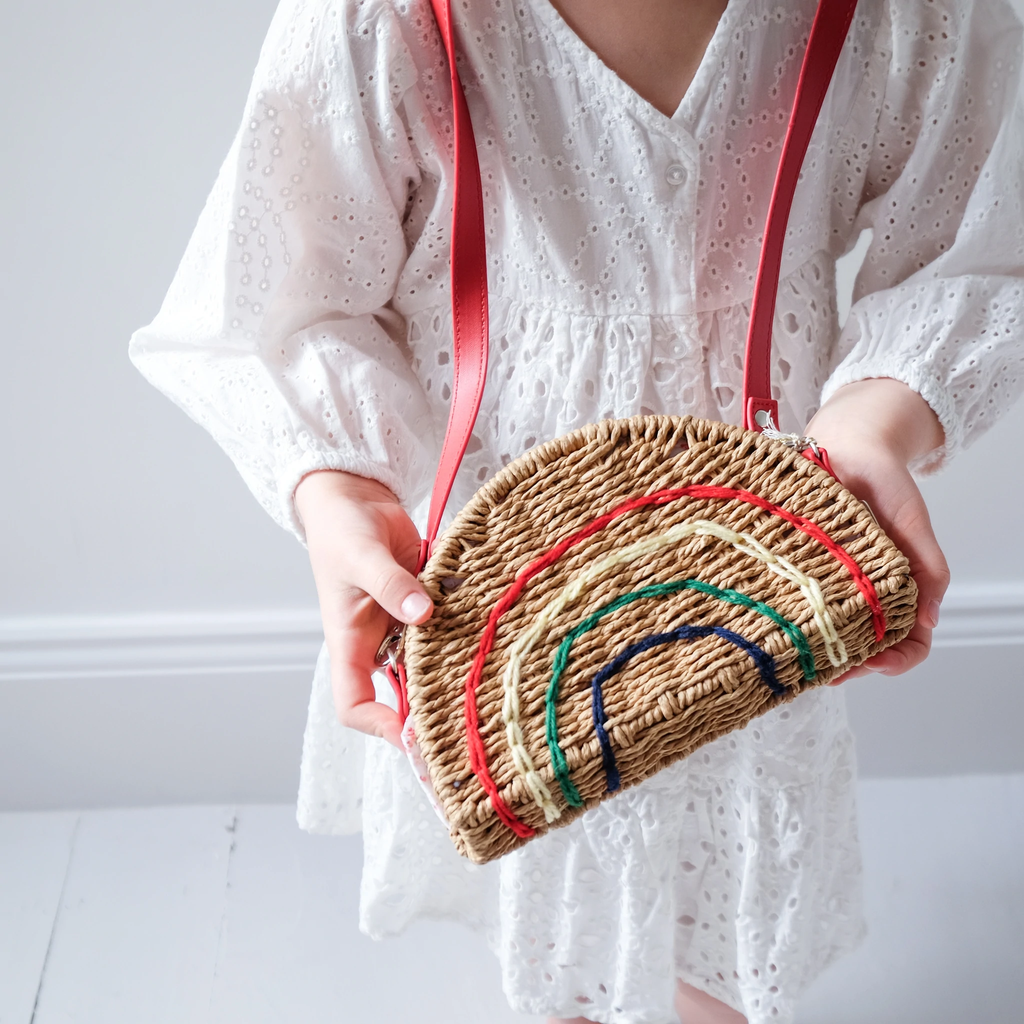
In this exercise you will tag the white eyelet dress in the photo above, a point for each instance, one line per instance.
(309, 328)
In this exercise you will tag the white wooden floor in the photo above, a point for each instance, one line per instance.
(233, 916)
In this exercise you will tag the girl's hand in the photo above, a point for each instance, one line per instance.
(873, 429)
(363, 549)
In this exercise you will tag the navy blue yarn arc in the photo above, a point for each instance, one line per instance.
(764, 661)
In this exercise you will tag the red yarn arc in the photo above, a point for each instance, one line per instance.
(474, 741)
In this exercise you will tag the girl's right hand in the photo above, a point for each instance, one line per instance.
(363, 549)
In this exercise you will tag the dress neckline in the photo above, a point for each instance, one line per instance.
(581, 54)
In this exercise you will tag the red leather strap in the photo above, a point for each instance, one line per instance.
(828, 34)
(469, 251)
(820, 458)
(398, 681)
(469, 292)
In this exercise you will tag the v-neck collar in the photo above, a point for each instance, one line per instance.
(581, 54)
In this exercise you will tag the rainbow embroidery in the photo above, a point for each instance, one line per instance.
(658, 590)
(764, 661)
(580, 586)
(809, 587)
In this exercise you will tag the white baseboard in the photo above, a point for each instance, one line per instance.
(284, 640)
(982, 615)
(210, 707)
(136, 710)
(171, 643)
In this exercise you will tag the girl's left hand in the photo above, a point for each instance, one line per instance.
(873, 430)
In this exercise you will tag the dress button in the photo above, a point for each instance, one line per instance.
(675, 174)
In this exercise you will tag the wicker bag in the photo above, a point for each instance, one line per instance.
(619, 596)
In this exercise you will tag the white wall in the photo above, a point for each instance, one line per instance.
(117, 117)
(156, 629)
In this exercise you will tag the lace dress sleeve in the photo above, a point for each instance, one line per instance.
(939, 302)
(278, 334)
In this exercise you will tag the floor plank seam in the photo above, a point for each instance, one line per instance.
(232, 829)
(56, 918)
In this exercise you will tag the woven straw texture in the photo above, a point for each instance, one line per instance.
(594, 625)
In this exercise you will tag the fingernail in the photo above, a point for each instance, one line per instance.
(933, 613)
(414, 607)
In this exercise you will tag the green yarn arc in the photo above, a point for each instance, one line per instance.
(805, 656)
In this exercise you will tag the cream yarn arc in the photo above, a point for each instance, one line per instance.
(570, 594)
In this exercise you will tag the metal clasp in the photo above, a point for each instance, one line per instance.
(391, 646)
